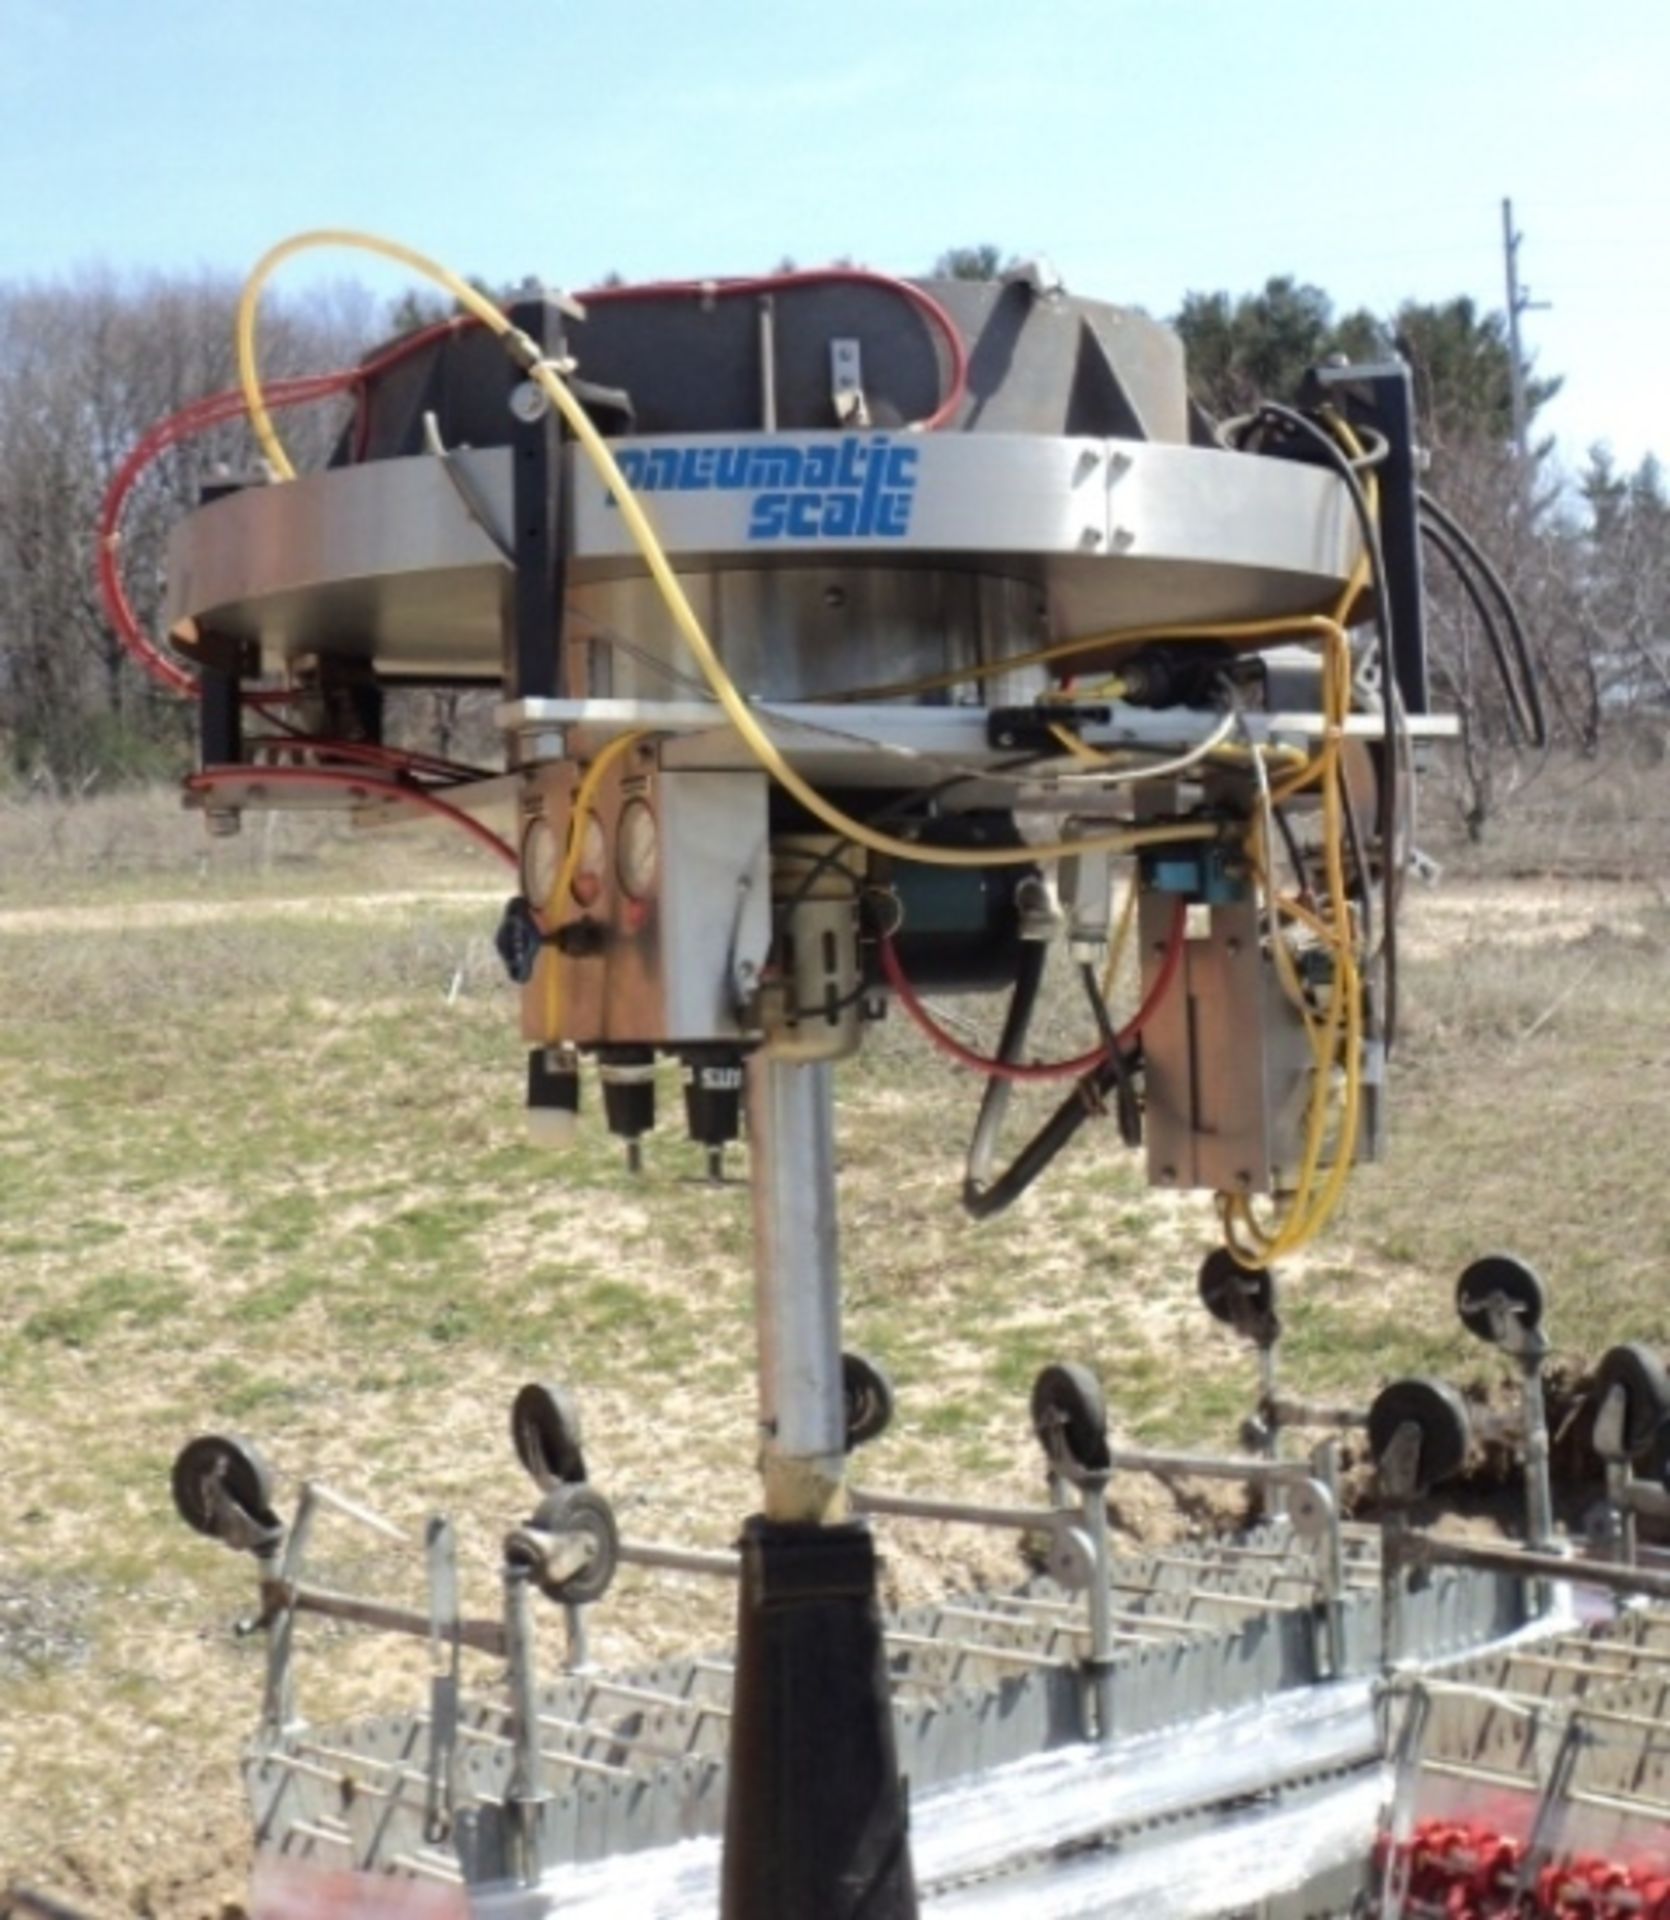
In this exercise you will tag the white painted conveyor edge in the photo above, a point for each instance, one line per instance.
(982, 1825)
(1236, 1863)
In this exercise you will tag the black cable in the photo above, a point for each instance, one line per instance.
(1086, 1101)
(983, 1196)
(994, 1102)
(1520, 722)
(1530, 680)
(1359, 864)
(1295, 853)
(1126, 1106)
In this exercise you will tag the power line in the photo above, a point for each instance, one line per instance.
(1519, 302)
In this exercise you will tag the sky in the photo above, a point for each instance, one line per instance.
(1147, 147)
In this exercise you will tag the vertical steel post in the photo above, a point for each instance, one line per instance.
(1621, 1514)
(525, 1794)
(791, 1144)
(1094, 1502)
(283, 1561)
(1325, 1466)
(1393, 1588)
(815, 1821)
(534, 663)
(1539, 1487)
(1273, 1495)
(1539, 1492)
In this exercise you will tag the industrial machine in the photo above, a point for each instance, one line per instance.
(859, 642)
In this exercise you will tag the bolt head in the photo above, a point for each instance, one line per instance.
(529, 403)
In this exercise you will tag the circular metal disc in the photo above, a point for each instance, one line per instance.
(545, 1431)
(1499, 1275)
(1437, 1411)
(222, 1464)
(1071, 1559)
(1070, 1417)
(1310, 1510)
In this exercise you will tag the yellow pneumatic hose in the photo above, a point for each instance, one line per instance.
(551, 908)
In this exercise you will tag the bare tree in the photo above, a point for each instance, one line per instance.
(86, 366)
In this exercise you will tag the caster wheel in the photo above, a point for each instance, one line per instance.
(545, 1431)
(1639, 1371)
(868, 1392)
(1499, 1277)
(223, 1489)
(1438, 1413)
(575, 1509)
(1243, 1298)
(1070, 1418)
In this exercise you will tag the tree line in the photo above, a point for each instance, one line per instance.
(87, 366)
(1585, 554)
(89, 363)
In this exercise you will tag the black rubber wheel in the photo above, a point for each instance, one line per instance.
(1499, 1275)
(234, 1466)
(580, 1509)
(1070, 1417)
(868, 1393)
(545, 1431)
(1440, 1414)
(1243, 1298)
(1641, 1374)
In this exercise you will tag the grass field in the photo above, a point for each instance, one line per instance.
(261, 1166)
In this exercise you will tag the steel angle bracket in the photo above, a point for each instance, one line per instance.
(440, 1551)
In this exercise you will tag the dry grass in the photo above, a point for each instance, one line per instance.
(1562, 816)
(262, 1168)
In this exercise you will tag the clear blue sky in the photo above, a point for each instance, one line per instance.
(1148, 146)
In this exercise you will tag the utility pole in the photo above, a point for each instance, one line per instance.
(1519, 301)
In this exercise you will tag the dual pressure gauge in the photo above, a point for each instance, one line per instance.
(636, 862)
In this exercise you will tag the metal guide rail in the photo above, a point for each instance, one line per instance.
(506, 1778)
(518, 1776)
(1536, 1778)
(520, 1779)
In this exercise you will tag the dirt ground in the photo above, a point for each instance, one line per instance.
(303, 1213)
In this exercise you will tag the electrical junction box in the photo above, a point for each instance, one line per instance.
(1229, 1068)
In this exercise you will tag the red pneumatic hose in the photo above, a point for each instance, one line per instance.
(1073, 1069)
(221, 408)
(367, 785)
(215, 410)
(956, 385)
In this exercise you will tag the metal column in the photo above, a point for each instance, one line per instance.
(815, 1820)
(791, 1145)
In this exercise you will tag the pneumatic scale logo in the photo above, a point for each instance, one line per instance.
(854, 489)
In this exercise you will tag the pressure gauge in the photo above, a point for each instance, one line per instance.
(637, 850)
(593, 865)
(541, 857)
